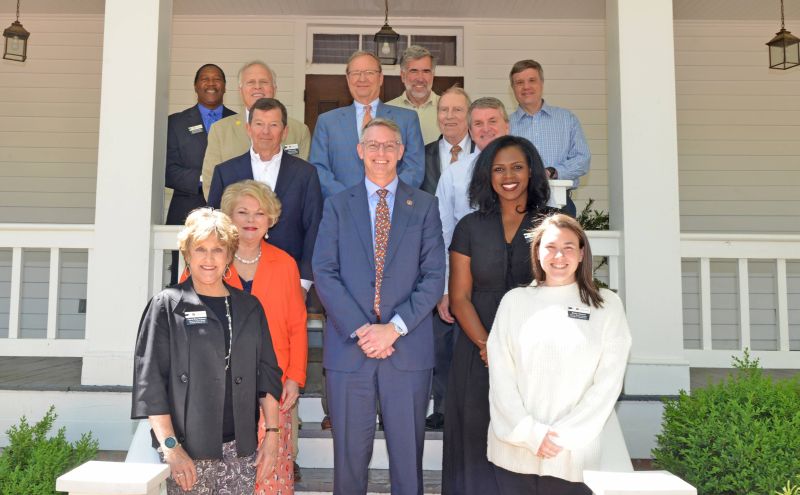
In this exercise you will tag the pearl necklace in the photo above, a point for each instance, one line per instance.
(230, 334)
(248, 262)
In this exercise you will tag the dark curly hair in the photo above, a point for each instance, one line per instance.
(481, 193)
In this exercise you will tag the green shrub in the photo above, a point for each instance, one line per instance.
(31, 462)
(738, 437)
(790, 489)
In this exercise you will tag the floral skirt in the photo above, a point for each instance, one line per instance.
(282, 480)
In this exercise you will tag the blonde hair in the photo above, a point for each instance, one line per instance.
(201, 224)
(266, 198)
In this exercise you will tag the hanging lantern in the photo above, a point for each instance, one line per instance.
(784, 48)
(16, 41)
(386, 41)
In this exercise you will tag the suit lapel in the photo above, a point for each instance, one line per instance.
(359, 211)
(244, 169)
(348, 124)
(436, 163)
(403, 208)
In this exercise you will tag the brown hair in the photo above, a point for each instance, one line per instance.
(583, 275)
(525, 65)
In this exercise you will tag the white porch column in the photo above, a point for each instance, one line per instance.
(130, 178)
(643, 175)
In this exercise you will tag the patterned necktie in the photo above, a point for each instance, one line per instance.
(367, 117)
(454, 151)
(382, 225)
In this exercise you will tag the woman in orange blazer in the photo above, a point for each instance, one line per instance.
(271, 275)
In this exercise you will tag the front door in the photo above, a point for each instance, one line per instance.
(326, 92)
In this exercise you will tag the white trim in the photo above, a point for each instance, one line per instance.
(722, 358)
(14, 297)
(744, 303)
(705, 302)
(45, 347)
(52, 296)
(782, 293)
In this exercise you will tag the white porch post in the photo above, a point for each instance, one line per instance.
(643, 175)
(130, 181)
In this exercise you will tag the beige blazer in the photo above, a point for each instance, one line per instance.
(228, 139)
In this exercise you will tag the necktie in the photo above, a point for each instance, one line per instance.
(454, 151)
(382, 225)
(367, 117)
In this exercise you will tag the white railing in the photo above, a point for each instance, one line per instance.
(702, 248)
(742, 248)
(55, 238)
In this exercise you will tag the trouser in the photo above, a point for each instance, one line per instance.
(443, 341)
(354, 397)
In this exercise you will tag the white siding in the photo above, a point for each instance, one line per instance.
(49, 110)
(737, 120)
(738, 123)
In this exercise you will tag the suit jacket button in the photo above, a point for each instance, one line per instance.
(238, 380)
(184, 377)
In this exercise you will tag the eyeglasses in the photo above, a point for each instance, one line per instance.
(416, 72)
(260, 83)
(356, 74)
(375, 146)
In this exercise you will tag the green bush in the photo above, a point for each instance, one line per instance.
(738, 437)
(31, 462)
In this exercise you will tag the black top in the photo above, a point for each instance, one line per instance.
(247, 285)
(217, 305)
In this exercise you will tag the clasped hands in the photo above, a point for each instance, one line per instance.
(377, 340)
(548, 448)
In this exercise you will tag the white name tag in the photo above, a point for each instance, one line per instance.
(195, 129)
(292, 149)
(578, 313)
(195, 317)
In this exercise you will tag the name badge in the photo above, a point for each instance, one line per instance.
(292, 149)
(195, 317)
(196, 129)
(578, 313)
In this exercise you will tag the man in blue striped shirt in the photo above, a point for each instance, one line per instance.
(556, 132)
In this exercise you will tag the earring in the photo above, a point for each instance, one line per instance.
(227, 273)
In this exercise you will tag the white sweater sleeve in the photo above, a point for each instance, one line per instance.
(510, 421)
(585, 422)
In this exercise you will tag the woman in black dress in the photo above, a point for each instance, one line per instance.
(488, 257)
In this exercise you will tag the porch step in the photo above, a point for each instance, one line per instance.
(320, 481)
(316, 449)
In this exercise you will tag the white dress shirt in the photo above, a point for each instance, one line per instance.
(444, 151)
(266, 171)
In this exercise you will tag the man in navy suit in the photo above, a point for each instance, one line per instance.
(333, 148)
(379, 269)
(187, 137)
(294, 181)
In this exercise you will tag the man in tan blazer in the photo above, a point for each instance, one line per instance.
(228, 137)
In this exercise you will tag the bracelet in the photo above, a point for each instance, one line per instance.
(276, 430)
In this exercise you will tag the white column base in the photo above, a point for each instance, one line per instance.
(656, 378)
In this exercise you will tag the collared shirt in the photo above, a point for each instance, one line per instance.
(427, 113)
(209, 115)
(453, 194)
(558, 136)
(266, 171)
(360, 113)
(444, 151)
(373, 198)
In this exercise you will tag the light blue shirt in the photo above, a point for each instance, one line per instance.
(209, 115)
(453, 194)
(558, 136)
(360, 113)
(373, 198)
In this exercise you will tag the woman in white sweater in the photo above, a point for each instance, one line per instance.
(557, 354)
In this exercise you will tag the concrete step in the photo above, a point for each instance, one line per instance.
(320, 481)
(316, 449)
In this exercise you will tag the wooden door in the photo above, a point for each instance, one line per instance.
(326, 92)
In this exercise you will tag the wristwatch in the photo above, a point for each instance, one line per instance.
(169, 443)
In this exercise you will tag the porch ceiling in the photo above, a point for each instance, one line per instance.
(741, 10)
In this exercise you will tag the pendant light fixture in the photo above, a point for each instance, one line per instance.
(386, 41)
(784, 48)
(16, 38)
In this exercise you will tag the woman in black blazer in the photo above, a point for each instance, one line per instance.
(203, 364)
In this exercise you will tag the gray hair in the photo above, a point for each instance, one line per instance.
(362, 53)
(456, 90)
(487, 102)
(253, 63)
(416, 52)
(388, 123)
